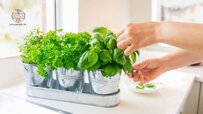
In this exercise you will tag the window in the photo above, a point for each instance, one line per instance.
(20, 16)
(187, 11)
(174, 10)
(66, 12)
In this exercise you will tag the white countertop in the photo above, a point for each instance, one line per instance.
(168, 100)
(15, 105)
(196, 70)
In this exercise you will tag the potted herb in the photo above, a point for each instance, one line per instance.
(104, 62)
(39, 54)
(30, 49)
(73, 46)
(49, 56)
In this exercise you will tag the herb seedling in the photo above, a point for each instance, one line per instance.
(143, 86)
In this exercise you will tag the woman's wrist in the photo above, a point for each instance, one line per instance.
(158, 28)
(167, 64)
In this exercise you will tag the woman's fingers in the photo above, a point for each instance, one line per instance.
(135, 76)
(148, 70)
(144, 76)
(124, 43)
(141, 76)
(130, 49)
(130, 75)
(121, 36)
(147, 76)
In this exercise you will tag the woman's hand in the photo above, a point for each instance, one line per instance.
(152, 68)
(148, 70)
(188, 36)
(136, 36)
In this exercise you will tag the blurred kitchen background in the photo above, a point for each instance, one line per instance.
(82, 15)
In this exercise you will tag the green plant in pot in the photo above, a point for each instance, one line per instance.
(30, 49)
(39, 53)
(49, 57)
(69, 76)
(104, 62)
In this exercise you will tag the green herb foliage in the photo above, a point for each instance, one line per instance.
(81, 51)
(54, 49)
(140, 86)
(105, 56)
(143, 86)
(30, 46)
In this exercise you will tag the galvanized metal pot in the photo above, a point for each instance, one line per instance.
(32, 77)
(51, 80)
(70, 80)
(103, 85)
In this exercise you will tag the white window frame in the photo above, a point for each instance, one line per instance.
(50, 15)
(156, 12)
(66, 15)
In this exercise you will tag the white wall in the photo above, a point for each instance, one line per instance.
(115, 14)
(11, 70)
(141, 10)
(111, 13)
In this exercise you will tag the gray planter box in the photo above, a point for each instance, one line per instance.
(74, 97)
(68, 86)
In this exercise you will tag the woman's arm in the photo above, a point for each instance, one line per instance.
(184, 35)
(181, 58)
(152, 68)
(188, 36)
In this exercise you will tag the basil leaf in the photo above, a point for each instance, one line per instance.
(105, 56)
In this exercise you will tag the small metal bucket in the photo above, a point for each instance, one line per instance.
(32, 77)
(103, 85)
(70, 80)
(51, 80)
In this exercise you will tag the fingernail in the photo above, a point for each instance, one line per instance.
(118, 45)
(130, 75)
(126, 53)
